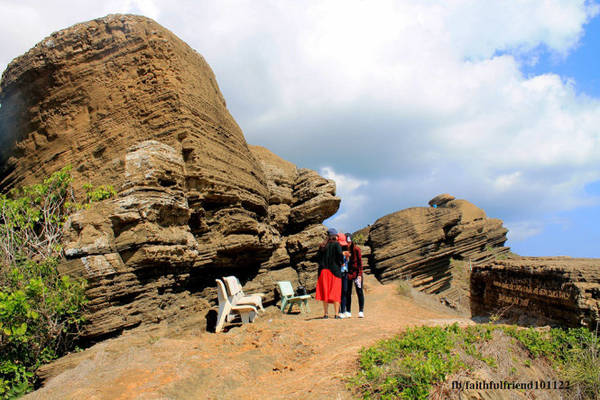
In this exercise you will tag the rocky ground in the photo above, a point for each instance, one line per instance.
(280, 356)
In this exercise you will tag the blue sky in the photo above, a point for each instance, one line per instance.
(573, 232)
(495, 102)
(581, 64)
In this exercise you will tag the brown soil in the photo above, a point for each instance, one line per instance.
(280, 356)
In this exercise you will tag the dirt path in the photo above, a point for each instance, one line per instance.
(280, 356)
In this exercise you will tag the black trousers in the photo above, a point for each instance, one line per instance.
(345, 285)
(359, 293)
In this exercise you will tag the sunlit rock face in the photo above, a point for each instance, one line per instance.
(127, 103)
(416, 244)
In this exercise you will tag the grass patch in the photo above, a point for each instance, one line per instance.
(411, 364)
(404, 288)
(575, 353)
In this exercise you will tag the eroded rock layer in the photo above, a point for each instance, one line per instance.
(127, 103)
(563, 289)
(85, 94)
(417, 243)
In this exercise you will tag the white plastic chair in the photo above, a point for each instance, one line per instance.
(247, 312)
(237, 295)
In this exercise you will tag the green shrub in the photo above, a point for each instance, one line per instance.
(408, 366)
(40, 317)
(40, 309)
(359, 238)
(31, 218)
(575, 352)
(582, 369)
(99, 193)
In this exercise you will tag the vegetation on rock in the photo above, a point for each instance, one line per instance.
(40, 309)
(359, 239)
(415, 362)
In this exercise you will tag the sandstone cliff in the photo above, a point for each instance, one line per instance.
(563, 289)
(417, 243)
(127, 103)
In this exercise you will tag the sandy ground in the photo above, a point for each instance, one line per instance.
(279, 356)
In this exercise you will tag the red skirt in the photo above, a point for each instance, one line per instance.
(329, 287)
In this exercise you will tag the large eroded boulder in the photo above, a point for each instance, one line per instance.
(85, 94)
(417, 244)
(127, 103)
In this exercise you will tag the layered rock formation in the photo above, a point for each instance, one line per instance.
(563, 289)
(299, 200)
(360, 239)
(417, 243)
(127, 103)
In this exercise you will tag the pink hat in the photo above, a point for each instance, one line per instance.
(341, 238)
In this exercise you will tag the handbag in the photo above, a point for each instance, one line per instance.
(300, 291)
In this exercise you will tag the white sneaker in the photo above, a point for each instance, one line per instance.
(360, 314)
(348, 314)
(342, 315)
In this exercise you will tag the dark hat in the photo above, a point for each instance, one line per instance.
(331, 232)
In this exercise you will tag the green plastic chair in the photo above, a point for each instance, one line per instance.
(288, 297)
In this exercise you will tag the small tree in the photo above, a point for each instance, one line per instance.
(40, 309)
(31, 218)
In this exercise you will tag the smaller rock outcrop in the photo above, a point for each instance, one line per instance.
(440, 200)
(563, 289)
(418, 243)
(299, 200)
(137, 251)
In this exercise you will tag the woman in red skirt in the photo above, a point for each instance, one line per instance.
(329, 284)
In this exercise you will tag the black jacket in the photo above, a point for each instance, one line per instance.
(331, 258)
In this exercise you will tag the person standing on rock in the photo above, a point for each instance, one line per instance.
(355, 278)
(345, 282)
(329, 283)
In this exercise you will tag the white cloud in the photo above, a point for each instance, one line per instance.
(26, 22)
(480, 29)
(353, 201)
(521, 230)
(149, 8)
(414, 97)
(507, 181)
(345, 183)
